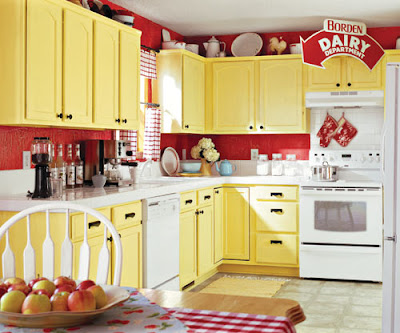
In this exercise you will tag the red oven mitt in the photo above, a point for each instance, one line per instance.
(345, 132)
(327, 130)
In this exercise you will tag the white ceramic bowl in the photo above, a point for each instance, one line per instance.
(124, 19)
(99, 180)
(295, 48)
(193, 48)
(191, 166)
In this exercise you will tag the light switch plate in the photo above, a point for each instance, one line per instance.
(183, 154)
(26, 159)
(254, 154)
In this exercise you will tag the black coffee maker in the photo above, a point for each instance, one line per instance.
(41, 158)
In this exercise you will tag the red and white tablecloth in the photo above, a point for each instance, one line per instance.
(199, 321)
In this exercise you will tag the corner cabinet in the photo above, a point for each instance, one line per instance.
(180, 91)
(58, 70)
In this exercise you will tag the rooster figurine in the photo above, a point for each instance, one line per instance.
(277, 46)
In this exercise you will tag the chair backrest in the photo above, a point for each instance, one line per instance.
(8, 257)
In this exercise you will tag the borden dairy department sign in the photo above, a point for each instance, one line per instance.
(341, 38)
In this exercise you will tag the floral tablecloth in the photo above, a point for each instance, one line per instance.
(137, 314)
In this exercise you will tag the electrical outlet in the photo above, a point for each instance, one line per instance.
(254, 154)
(26, 159)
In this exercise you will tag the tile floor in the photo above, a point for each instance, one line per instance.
(331, 306)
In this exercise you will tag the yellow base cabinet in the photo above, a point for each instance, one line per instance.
(187, 247)
(277, 249)
(218, 225)
(180, 91)
(205, 253)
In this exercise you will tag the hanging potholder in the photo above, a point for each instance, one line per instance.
(345, 133)
(327, 130)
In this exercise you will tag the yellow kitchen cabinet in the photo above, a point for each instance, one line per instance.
(205, 253)
(43, 62)
(344, 73)
(236, 224)
(180, 91)
(233, 96)
(218, 224)
(276, 216)
(392, 56)
(277, 249)
(187, 247)
(77, 68)
(281, 96)
(129, 80)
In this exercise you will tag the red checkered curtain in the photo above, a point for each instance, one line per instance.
(131, 137)
(152, 134)
(148, 64)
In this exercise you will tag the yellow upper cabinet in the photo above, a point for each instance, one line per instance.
(281, 96)
(77, 68)
(344, 73)
(392, 56)
(233, 96)
(129, 80)
(180, 91)
(43, 62)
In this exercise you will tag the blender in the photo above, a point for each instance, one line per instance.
(41, 158)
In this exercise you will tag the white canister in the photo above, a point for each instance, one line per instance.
(262, 165)
(398, 43)
(277, 165)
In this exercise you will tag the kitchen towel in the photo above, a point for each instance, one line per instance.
(327, 130)
(148, 64)
(345, 132)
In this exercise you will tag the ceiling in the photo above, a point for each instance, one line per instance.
(222, 17)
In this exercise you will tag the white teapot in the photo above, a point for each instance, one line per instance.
(213, 47)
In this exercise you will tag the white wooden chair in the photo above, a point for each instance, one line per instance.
(8, 257)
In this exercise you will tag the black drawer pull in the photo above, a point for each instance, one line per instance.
(277, 194)
(276, 242)
(94, 224)
(188, 202)
(216, 191)
(130, 215)
(275, 210)
(207, 197)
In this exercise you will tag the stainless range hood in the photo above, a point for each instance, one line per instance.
(373, 98)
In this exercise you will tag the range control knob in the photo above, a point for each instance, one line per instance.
(331, 159)
(371, 159)
(317, 159)
(377, 158)
(362, 159)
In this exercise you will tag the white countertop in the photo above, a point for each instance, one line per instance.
(95, 197)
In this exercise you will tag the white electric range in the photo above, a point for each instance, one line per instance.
(341, 222)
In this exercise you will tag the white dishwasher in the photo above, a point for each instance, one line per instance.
(161, 242)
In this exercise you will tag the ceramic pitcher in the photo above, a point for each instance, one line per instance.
(225, 168)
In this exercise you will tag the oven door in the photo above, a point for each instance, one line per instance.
(341, 216)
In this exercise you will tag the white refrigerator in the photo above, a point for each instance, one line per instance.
(391, 173)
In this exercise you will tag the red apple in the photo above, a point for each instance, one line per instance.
(59, 301)
(99, 295)
(36, 304)
(85, 284)
(2, 291)
(62, 280)
(40, 292)
(32, 282)
(15, 280)
(46, 285)
(3, 285)
(81, 300)
(21, 287)
(64, 287)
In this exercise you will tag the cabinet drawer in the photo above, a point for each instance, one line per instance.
(95, 227)
(282, 193)
(276, 249)
(127, 215)
(276, 216)
(188, 200)
(205, 196)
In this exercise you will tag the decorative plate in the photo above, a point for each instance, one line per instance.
(115, 296)
(170, 161)
(247, 45)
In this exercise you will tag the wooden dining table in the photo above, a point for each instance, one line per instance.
(230, 303)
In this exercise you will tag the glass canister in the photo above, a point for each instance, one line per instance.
(291, 165)
(262, 165)
(277, 165)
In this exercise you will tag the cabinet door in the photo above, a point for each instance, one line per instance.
(95, 244)
(131, 239)
(281, 95)
(327, 79)
(187, 247)
(358, 76)
(218, 225)
(233, 97)
(393, 56)
(193, 95)
(236, 223)
(77, 69)
(205, 253)
(129, 80)
(43, 62)
(106, 64)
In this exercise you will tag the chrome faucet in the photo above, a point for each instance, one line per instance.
(145, 165)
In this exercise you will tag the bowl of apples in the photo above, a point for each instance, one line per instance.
(42, 303)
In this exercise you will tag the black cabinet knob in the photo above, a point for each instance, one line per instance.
(261, 127)
(216, 191)
(118, 120)
(186, 126)
(69, 116)
(251, 127)
(349, 84)
(125, 121)
(337, 84)
(60, 115)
